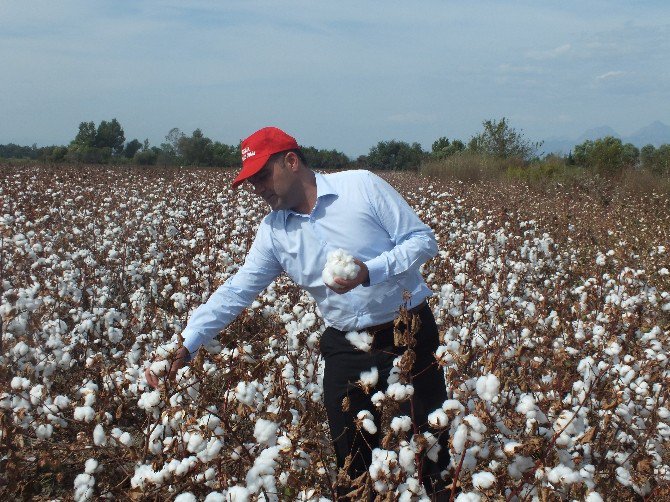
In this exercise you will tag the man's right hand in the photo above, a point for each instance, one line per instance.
(178, 362)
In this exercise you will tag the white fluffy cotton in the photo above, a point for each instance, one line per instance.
(238, 494)
(84, 413)
(265, 432)
(339, 264)
(370, 378)
(160, 368)
(367, 421)
(438, 418)
(483, 480)
(99, 437)
(488, 387)
(402, 423)
(83, 487)
(90, 466)
(362, 340)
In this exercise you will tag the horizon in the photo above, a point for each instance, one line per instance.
(342, 77)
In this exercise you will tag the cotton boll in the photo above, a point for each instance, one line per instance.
(438, 419)
(210, 421)
(402, 423)
(483, 480)
(488, 387)
(83, 487)
(196, 443)
(149, 400)
(339, 264)
(84, 413)
(238, 494)
(44, 431)
(99, 437)
(20, 383)
(160, 368)
(125, 439)
(407, 458)
(459, 438)
(265, 432)
(593, 497)
(166, 350)
(215, 497)
(186, 497)
(562, 474)
(378, 398)
(366, 421)
(91, 466)
(451, 405)
(369, 378)
(468, 497)
(400, 392)
(432, 446)
(362, 340)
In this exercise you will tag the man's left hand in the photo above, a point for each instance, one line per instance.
(349, 284)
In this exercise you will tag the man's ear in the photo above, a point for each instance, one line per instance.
(292, 161)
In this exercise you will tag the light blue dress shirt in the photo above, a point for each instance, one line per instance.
(356, 211)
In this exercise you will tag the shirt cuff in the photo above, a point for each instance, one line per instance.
(377, 272)
(192, 343)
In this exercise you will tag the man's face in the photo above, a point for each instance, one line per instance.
(275, 182)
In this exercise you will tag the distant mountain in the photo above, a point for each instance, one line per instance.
(656, 133)
(597, 133)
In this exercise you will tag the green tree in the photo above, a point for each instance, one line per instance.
(147, 157)
(325, 159)
(500, 140)
(57, 154)
(395, 155)
(196, 149)
(662, 160)
(132, 147)
(607, 156)
(110, 135)
(226, 155)
(443, 148)
(86, 135)
(656, 160)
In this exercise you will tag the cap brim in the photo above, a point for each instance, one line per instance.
(251, 167)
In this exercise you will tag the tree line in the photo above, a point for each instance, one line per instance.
(106, 143)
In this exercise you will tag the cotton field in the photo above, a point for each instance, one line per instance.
(553, 306)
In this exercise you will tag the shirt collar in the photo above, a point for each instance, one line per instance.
(323, 186)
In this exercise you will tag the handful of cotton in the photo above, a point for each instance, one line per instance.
(339, 264)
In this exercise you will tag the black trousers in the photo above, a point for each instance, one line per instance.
(343, 366)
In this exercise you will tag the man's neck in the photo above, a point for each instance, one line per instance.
(309, 192)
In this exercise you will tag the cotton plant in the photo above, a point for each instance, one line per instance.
(97, 284)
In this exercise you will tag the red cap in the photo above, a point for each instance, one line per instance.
(257, 149)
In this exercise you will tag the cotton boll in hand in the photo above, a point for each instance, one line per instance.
(339, 264)
(160, 368)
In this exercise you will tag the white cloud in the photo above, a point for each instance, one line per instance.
(549, 54)
(610, 74)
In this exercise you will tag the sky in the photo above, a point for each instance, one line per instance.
(341, 75)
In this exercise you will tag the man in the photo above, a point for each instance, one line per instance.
(313, 214)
